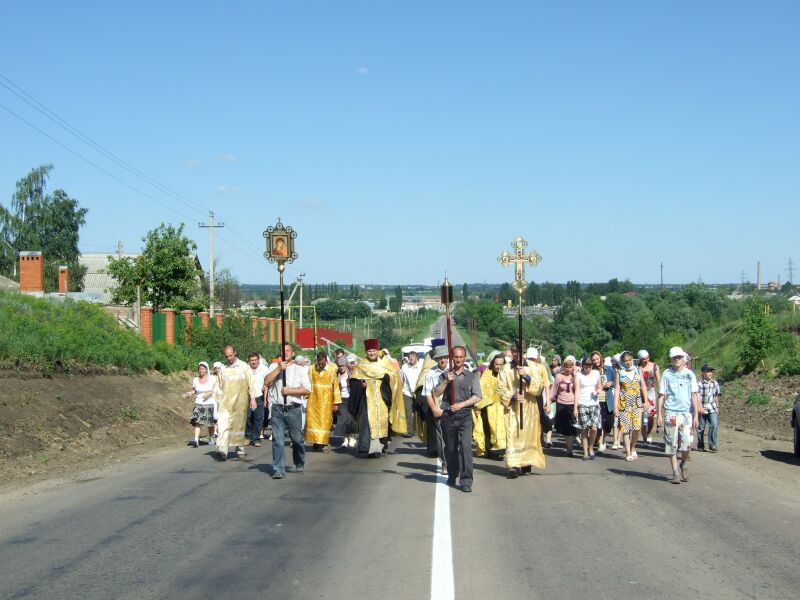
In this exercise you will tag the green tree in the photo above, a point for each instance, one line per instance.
(166, 269)
(464, 292)
(396, 301)
(43, 222)
(757, 337)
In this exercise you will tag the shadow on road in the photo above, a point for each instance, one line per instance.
(784, 457)
(639, 474)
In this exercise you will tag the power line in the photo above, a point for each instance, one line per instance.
(63, 123)
(93, 164)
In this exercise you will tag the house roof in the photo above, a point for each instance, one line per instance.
(8, 284)
(96, 280)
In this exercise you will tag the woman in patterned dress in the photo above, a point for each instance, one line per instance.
(630, 391)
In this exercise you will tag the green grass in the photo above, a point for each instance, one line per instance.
(130, 413)
(45, 335)
(758, 399)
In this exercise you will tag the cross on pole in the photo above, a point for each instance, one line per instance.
(519, 259)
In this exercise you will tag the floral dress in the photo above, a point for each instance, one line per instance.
(630, 400)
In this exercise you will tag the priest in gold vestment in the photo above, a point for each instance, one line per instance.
(376, 398)
(323, 401)
(523, 444)
(235, 379)
(488, 415)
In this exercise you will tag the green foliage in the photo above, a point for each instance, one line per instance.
(331, 310)
(129, 413)
(49, 223)
(396, 301)
(757, 336)
(166, 270)
(40, 334)
(758, 399)
(790, 366)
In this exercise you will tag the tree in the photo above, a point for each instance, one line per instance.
(757, 337)
(166, 269)
(396, 301)
(227, 289)
(46, 223)
(464, 292)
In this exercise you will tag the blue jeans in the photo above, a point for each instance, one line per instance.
(255, 421)
(712, 420)
(290, 418)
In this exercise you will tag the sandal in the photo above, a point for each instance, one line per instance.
(630, 458)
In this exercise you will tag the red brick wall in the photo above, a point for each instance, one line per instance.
(31, 272)
(146, 323)
(63, 280)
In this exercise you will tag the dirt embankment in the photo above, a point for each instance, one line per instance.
(772, 419)
(61, 424)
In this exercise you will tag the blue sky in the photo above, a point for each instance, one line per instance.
(406, 139)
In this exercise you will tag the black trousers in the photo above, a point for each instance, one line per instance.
(457, 434)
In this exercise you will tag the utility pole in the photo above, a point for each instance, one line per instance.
(790, 269)
(211, 225)
(662, 275)
(119, 249)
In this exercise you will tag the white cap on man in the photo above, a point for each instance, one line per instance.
(676, 351)
(532, 353)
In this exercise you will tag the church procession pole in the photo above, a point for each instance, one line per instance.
(520, 259)
(280, 249)
(447, 299)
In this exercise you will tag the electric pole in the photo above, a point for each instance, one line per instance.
(662, 275)
(211, 225)
(790, 269)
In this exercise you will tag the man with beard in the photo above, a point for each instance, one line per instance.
(374, 392)
(489, 426)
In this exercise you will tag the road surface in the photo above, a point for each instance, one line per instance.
(179, 525)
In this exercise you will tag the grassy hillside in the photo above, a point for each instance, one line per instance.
(45, 335)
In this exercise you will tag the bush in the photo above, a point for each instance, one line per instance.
(791, 366)
(758, 399)
(757, 337)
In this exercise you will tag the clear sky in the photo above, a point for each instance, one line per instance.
(403, 139)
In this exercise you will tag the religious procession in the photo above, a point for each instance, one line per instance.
(505, 409)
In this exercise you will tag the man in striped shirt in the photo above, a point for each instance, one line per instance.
(709, 391)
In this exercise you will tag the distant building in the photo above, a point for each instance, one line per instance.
(97, 281)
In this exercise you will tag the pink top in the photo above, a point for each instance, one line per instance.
(563, 389)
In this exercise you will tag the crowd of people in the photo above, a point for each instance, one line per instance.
(505, 409)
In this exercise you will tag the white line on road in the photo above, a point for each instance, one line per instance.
(442, 558)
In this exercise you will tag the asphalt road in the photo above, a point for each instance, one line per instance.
(179, 525)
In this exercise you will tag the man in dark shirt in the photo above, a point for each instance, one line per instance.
(457, 418)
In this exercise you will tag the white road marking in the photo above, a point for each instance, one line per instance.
(442, 587)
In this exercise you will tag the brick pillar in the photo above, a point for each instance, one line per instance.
(31, 272)
(290, 331)
(146, 323)
(63, 279)
(254, 324)
(263, 328)
(187, 325)
(219, 317)
(204, 319)
(170, 314)
(272, 330)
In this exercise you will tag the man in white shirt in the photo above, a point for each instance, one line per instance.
(255, 416)
(410, 374)
(289, 382)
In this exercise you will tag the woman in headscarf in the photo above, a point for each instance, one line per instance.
(630, 391)
(204, 403)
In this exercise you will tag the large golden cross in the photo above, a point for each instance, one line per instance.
(520, 259)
